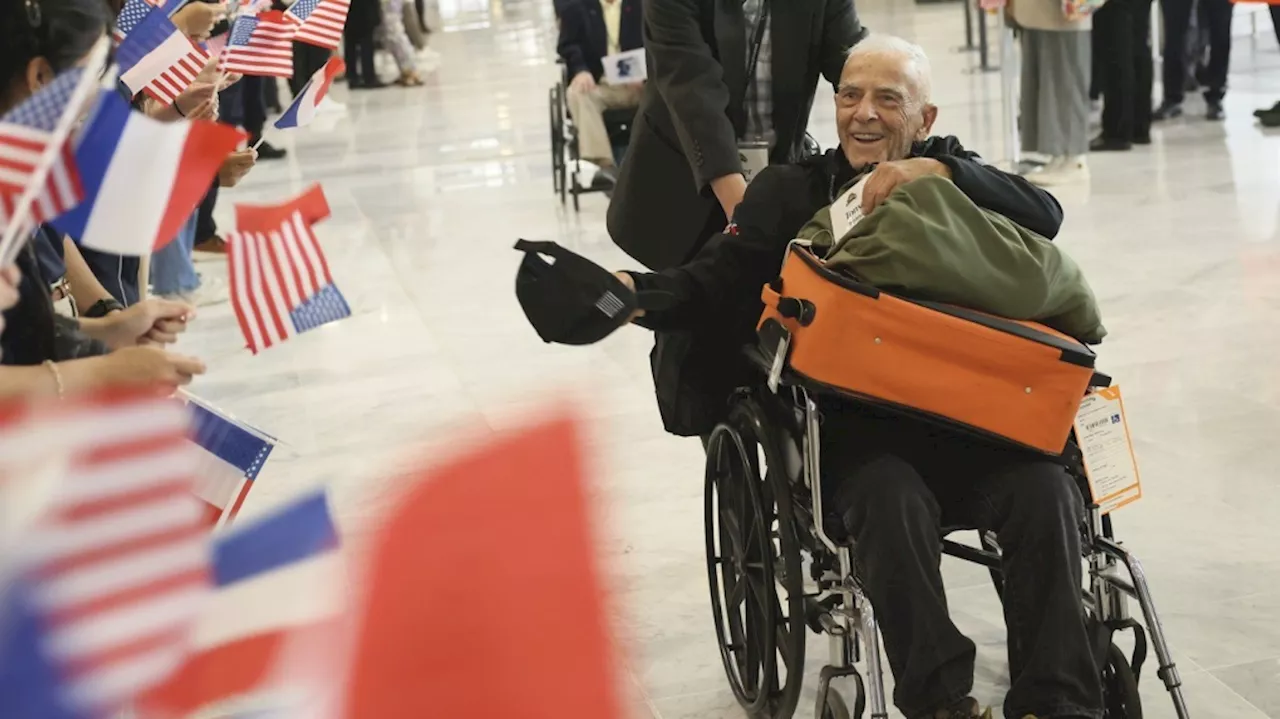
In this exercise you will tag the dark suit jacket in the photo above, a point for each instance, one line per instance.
(692, 112)
(584, 40)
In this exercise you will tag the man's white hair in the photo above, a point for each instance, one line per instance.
(911, 53)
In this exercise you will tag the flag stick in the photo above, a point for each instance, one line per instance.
(85, 90)
(259, 142)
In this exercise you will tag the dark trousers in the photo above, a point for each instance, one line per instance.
(307, 59)
(206, 227)
(358, 53)
(1275, 20)
(254, 106)
(1214, 16)
(896, 483)
(1122, 31)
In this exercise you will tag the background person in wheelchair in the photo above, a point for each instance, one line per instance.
(894, 481)
(590, 32)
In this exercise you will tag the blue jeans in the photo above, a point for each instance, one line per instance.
(172, 271)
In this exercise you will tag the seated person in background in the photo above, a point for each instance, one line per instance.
(896, 481)
(590, 30)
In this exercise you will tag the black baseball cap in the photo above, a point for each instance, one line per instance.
(571, 300)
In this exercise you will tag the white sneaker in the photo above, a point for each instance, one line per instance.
(212, 291)
(1062, 171)
(328, 104)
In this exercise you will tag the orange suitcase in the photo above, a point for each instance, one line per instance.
(1019, 381)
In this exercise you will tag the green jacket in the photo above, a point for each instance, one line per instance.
(928, 241)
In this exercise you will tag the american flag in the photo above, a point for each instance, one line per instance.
(157, 58)
(280, 281)
(260, 45)
(25, 133)
(133, 12)
(117, 564)
(320, 22)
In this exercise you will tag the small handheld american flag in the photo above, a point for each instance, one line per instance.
(133, 12)
(158, 58)
(320, 22)
(25, 134)
(260, 45)
(280, 280)
(114, 571)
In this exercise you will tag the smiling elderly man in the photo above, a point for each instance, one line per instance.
(896, 481)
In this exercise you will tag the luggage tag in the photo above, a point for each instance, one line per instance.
(1109, 463)
(846, 211)
(754, 157)
(775, 339)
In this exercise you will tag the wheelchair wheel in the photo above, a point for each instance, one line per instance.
(1120, 687)
(835, 708)
(752, 553)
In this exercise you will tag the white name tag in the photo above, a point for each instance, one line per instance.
(754, 158)
(846, 211)
(625, 67)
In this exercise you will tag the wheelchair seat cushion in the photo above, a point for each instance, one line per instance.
(929, 241)
(1015, 381)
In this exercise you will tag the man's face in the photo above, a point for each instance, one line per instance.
(880, 111)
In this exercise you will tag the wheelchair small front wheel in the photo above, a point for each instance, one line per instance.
(834, 707)
(1120, 687)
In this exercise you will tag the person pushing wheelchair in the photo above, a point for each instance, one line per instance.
(896, 482)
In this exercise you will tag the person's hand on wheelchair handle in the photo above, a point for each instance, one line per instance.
(582, 82)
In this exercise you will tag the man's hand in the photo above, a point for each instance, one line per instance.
(196, 20)
(149, 367)
(626, 279)
(152, 321)
(198, 102)
(236, 166)
(582, 82)
(889, 175)
(729, 190)
(10, 278)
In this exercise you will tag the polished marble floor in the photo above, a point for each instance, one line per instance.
(430, 187)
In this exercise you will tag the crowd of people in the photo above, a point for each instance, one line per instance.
(77, 318)
(1105, 51)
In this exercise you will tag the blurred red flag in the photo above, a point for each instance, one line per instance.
(486, 600)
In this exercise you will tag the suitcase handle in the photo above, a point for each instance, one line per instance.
(792, 308)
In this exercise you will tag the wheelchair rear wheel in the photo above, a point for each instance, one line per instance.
(1120, 687)
(753, 565)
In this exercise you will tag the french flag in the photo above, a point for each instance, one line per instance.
(302, 110)
(268, 635)
(233, 456)
(158, 58)
(142, 178)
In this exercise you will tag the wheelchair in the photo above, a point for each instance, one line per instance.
(566, 163)
(778, 566)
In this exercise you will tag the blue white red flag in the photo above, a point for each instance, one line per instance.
(267, 636)
(158, 58)
(280, 281)
(231, 457)
(320, 22)
(142, 178)
(260, 45)
(302, 110)
(25, 134)
(110, 577)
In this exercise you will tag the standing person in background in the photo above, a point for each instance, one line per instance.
(1270, 116)
(1122, 30)
(589, 31)
(730, 88)
(1055, 88)
(1215, 17)
(391, 34)
(363, 19)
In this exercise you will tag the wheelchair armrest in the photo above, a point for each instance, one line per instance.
(1099, 380)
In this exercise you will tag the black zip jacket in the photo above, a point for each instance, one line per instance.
(716, 296)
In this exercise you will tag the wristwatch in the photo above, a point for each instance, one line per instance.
(102, 308)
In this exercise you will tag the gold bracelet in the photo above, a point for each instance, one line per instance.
(57, 376)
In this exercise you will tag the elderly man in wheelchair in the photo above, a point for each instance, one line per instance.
(886, 478)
